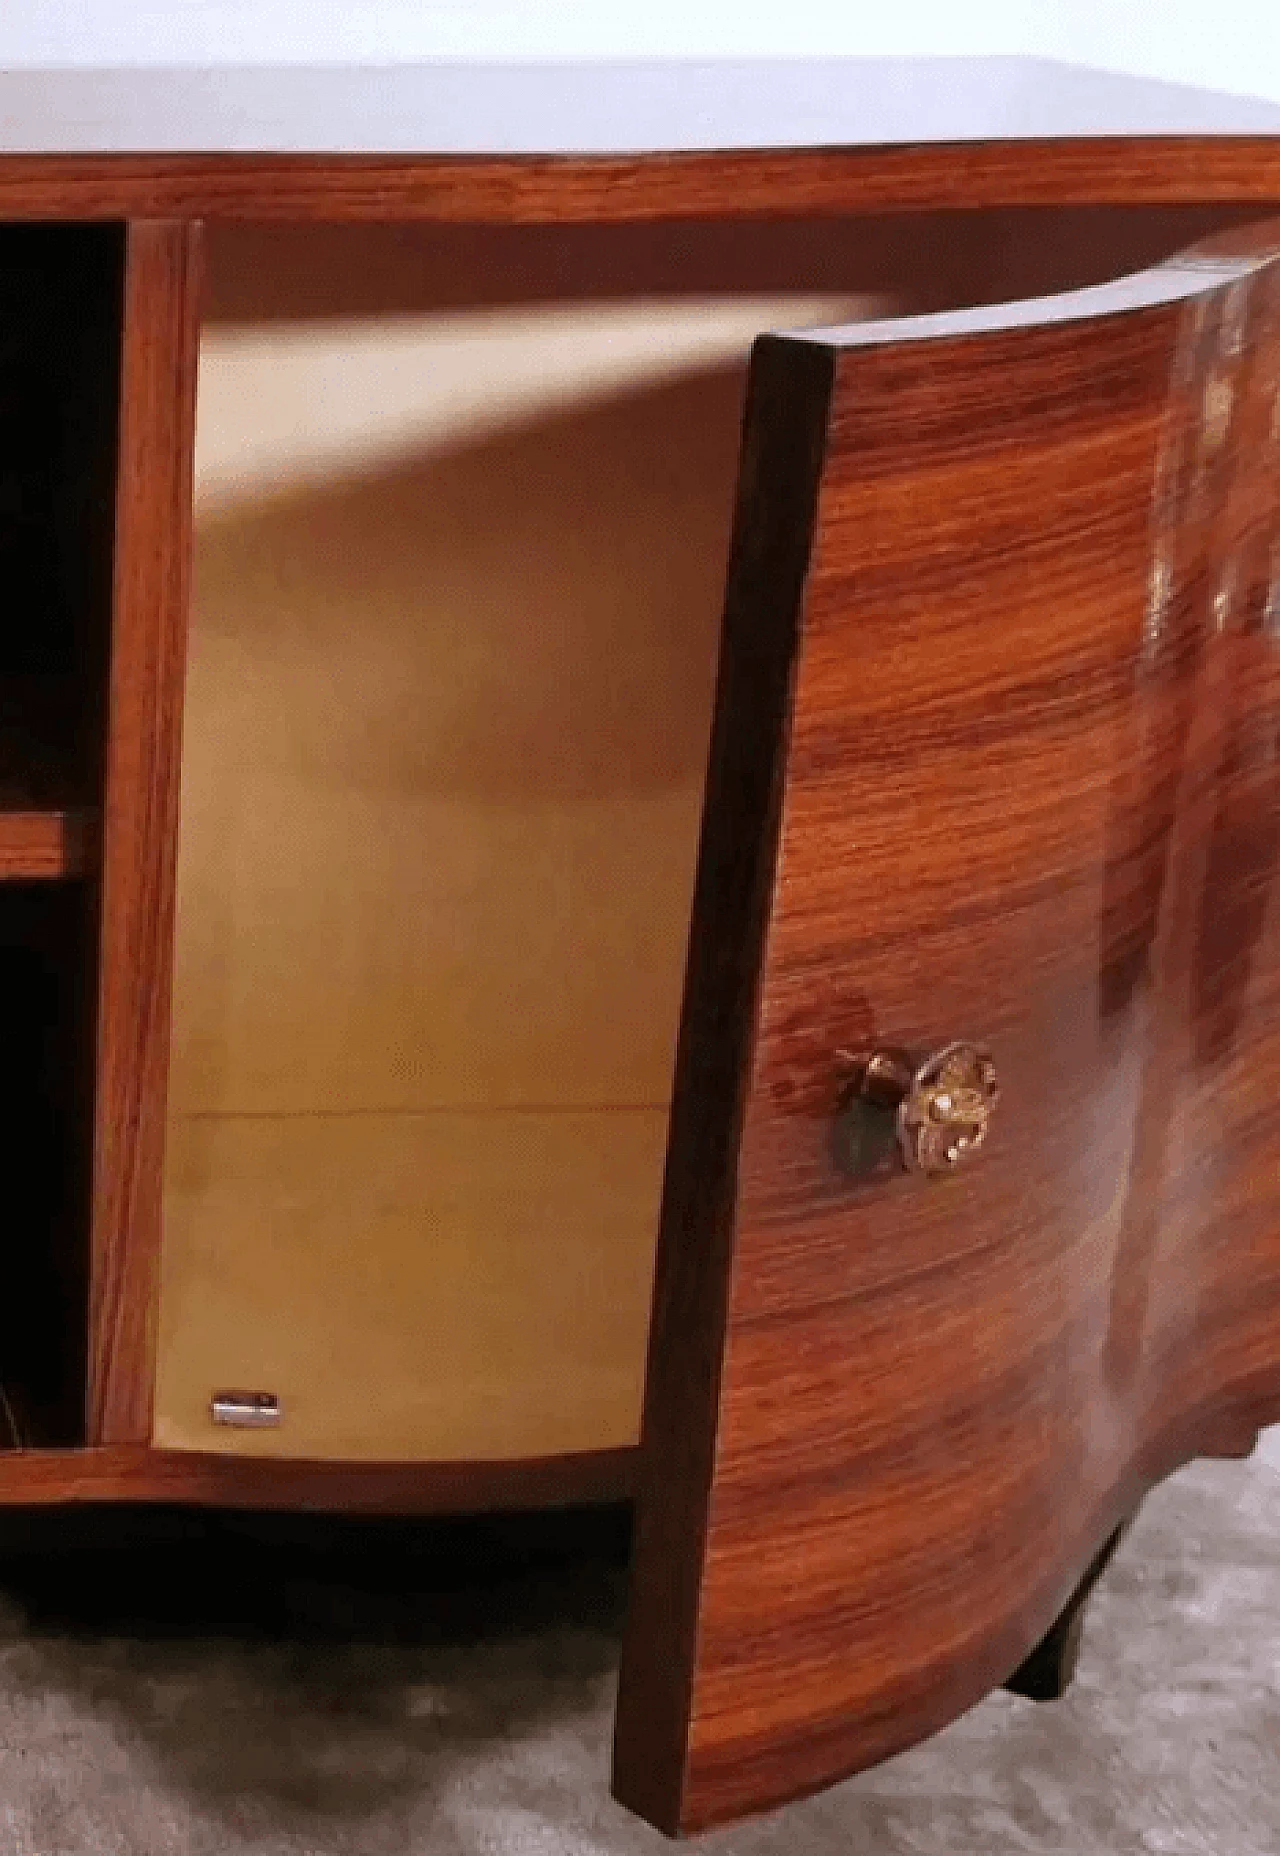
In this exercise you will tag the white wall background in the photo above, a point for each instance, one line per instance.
(1231, 45)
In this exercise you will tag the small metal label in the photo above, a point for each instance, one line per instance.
(248, 1410)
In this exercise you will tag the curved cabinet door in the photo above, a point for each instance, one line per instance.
(997, 758)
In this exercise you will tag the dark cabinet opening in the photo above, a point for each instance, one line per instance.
(60, 294)
(46, 1010)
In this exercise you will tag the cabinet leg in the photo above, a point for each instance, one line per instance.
(1047, 1672)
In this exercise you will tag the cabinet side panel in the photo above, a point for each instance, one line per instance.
(148, 646)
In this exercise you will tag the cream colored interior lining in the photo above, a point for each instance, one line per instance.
(458, 590)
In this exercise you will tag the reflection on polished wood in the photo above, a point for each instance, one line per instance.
(135, 1473)
(997, 751)
(1158, 170)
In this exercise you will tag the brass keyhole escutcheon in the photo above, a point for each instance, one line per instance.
(937, 1107)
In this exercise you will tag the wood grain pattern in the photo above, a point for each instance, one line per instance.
(533, 190)
(140, 817)
(132, 1473)
(997, 755)
(46, 845)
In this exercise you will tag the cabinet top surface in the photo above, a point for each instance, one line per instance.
(454, 105)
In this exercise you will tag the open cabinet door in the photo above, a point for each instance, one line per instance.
(994, 805)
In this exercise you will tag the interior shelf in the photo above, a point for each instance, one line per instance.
(45, 845)
(47, 828)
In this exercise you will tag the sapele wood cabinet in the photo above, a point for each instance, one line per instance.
(994, 777)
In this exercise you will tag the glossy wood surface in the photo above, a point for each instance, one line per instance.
(133, 1473)
(996, 755)
(140, 817)
(43, 844)
(608, 190)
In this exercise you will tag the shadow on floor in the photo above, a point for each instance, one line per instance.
(328, 1666)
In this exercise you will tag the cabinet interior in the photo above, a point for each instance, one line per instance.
(456, 591)
(463, 502)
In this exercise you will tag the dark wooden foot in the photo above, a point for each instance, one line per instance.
(1047, 1673)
